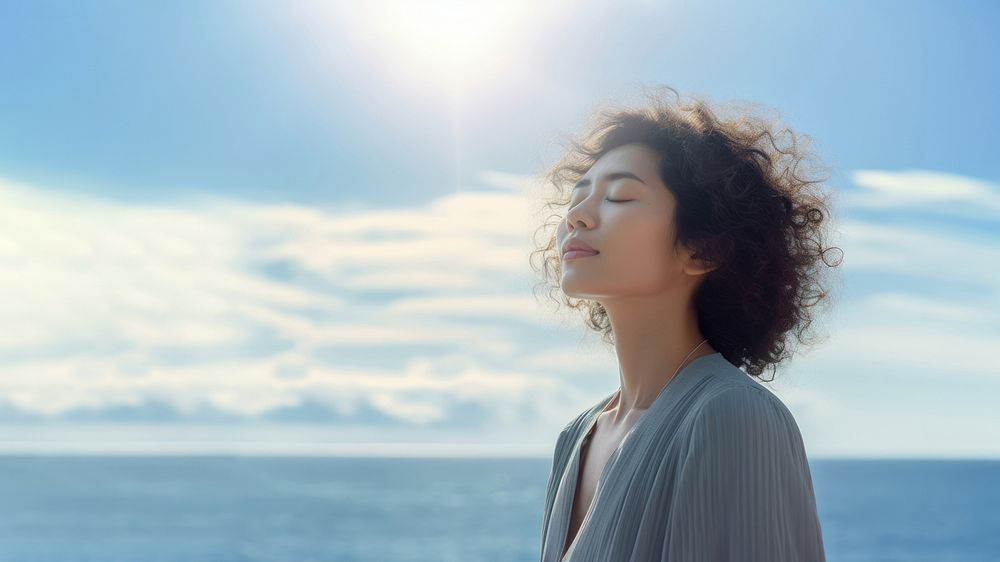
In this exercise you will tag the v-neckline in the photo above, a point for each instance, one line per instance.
(577, 463)
(577, 460)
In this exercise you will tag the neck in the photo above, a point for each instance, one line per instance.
(653, 342)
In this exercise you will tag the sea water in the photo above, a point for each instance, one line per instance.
(286, 509)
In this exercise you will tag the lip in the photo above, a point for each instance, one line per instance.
(578, 247)
(573, 254)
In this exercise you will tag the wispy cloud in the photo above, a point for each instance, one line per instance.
(211, 304)
(941, 193)
(404, 320)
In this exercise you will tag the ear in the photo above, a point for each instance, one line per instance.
(695, 263)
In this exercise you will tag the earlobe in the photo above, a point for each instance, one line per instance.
(708, 268)
(697, 266)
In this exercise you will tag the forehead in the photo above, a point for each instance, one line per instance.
(636, 158)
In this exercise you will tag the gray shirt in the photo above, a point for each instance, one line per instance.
(713, 470)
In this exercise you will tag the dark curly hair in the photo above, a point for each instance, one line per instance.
(740, 200)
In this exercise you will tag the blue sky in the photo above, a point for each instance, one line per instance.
(305, 228)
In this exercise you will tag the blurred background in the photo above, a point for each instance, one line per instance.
(266, 291)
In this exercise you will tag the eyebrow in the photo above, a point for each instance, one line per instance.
(611, 176)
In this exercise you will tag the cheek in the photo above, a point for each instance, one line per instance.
(641, 251)
(642, 236)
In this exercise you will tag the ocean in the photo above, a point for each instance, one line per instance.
(244, 508)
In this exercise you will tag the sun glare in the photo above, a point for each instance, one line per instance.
(448, 43)
(449, 47)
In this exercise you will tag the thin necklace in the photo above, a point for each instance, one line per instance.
(675, 372)
(593, 500)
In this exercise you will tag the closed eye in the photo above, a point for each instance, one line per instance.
(618, 200)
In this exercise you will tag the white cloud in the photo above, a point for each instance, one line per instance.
(919, 308)
(112, 304)
(921, 253)
(420, 312)
(925, 191)
(925, 186)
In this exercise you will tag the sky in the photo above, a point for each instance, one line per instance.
(276, 228)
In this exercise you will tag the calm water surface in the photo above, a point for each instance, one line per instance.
(283, 509)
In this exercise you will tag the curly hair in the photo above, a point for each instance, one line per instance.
(740, 201)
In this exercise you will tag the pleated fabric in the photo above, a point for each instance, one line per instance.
(714, 470)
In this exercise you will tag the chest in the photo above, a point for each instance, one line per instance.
(596, 449)
(594, 456)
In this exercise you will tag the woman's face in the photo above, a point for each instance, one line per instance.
(628, 220)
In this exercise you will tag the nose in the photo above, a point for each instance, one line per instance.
(578, 217)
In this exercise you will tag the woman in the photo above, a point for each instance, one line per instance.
(694, 246)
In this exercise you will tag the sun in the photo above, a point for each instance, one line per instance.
(438, 49)
(445, 43)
